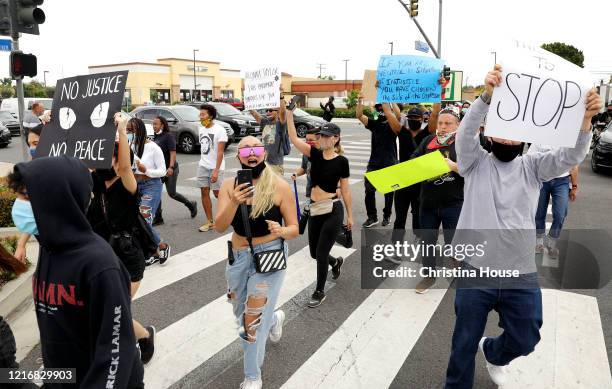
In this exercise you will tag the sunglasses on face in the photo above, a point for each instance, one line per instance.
(271, 110)
(244, 152)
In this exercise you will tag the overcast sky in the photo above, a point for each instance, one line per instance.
(297, 35)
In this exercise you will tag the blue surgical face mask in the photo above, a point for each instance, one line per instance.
(32, 151)
(23, 217)
(130, 137)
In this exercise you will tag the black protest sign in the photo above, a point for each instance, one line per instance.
(82, 119)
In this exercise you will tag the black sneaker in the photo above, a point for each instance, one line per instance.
(336, 268)
(151, 260)
(369, 223)
(147, 346)
(386, 221)
(316, 299)
(193, 207)
(164, 254)
(158, 221)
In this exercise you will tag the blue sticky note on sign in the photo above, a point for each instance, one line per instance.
(408, 79)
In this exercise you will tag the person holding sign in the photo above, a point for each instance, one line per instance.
(256, 203)
(501, 193)
(273, 134)
(383, 154)
(328, 171)
(441, 198)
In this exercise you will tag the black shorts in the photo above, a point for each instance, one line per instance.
(132, 257)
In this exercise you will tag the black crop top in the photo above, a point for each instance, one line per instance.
(259, 227)
(326, 173)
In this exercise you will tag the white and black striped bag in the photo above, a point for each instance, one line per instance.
(266, 261)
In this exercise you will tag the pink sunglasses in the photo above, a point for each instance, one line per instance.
(244, 152)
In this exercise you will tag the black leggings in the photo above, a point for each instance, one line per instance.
(171, 190)
(322, 233)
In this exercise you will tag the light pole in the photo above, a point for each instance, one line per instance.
(391, 43)
(194, 75)
(346, 73)
(45, 77)
(494, 57)
(440, 30)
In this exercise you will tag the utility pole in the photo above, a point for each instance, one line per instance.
(45, 78)
(494, 57)
(321, 67)
(346, 73)
(391, 43)
(194, 76)
(413, 12)
(440, 30)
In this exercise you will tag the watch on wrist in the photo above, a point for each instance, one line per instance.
(486, 97)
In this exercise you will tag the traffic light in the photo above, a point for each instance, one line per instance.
(447, 73)
(414, 8)
(22, 65)
(26, 16)
(5, 18)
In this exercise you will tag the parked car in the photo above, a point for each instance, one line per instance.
(12, 106)
(242, 123)
(236, 103)
(602, 152)
(184, 122)
(5, 136)
(10, 122)
(303, 121)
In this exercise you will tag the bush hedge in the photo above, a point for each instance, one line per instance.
(7, 198)
(11, 267)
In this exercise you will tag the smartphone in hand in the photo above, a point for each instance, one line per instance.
(293, 103)
(245, 176)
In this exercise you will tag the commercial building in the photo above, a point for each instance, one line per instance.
(172, 80)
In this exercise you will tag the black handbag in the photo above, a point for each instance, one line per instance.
(345, 237)
(266, 261)
(304, 220)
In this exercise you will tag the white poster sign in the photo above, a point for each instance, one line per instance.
(262, 88)
(541, 98)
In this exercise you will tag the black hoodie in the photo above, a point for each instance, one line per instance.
(81, 291)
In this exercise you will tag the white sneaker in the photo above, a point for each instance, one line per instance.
(498, 374)
(250, 384)
(277, 330)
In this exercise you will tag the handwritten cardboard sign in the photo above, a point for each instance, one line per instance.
(262, 88)
(408, 79)
(408, 173)
(541, 99)
(82, 123)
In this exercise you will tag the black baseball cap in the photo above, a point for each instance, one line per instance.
(415, 112)
(329, 129)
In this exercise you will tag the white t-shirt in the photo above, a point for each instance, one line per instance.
(209, 145)
(544, 149)
(153, 159)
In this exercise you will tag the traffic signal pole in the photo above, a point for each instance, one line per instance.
(21, 106)
(433, 49)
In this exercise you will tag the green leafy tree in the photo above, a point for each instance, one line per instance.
(7, 91)
(351, 99)
(6, 81)
(50, 91)
(566, 51)
(34, 89)
(331, 78)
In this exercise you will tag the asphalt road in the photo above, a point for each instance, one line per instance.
(384, 349)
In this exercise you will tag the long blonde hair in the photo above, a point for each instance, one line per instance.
(265, 189)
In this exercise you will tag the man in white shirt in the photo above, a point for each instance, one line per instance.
(210, 169)
(562, 189)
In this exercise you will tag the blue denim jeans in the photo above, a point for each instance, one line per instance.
(559, 189)
(430, 220)
(520, 316)
(150, 198)
(245, 285)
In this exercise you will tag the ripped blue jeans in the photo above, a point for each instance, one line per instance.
(253, 296)
(150, 198)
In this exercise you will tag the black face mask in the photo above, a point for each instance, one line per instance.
(414, 125)
(106, 174)
(506, 153)
(256, 170)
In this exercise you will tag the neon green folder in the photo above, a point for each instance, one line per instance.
(408, 173)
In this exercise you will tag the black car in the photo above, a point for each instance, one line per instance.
(10, 122)
(5, 136)
(602, 152)
(303, 121)
(242, 123)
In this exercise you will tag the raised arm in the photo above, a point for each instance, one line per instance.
(282, 109)
(432, 125)
(397, 111)
(393, 122)
(255, 115)
(359, 110)
(125, 167)
(467, 144)
(550, 165)
(302, 146)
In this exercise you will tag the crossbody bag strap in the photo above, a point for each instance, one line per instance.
(246, 222)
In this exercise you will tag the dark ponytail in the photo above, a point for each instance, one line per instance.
(140, 135)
